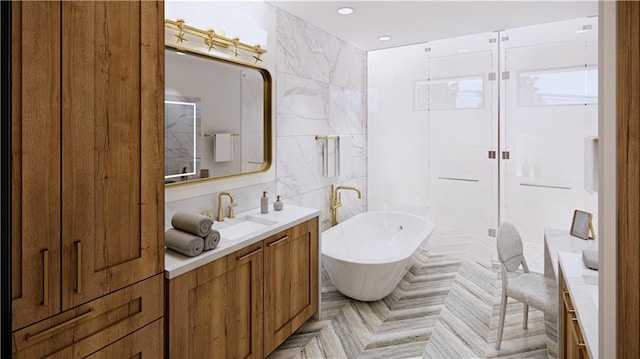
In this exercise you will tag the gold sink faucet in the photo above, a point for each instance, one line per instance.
(336, 201)
(231, 205)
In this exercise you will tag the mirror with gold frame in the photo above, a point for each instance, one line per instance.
(217, 117)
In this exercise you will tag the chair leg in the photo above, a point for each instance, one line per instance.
(503, 312)
(525, 317)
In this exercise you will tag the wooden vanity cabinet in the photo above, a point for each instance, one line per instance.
(291, 282)
(573, 346)
(215, 311)
(87, 157)
(245, 304)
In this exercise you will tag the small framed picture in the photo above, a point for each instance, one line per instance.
(581, 225)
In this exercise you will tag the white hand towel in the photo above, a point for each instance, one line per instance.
(223, 147)
(183, 242)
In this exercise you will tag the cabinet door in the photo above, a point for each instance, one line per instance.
(245, 311)
(215, 311)
(291, 283)
(112, 145)
(35, 163)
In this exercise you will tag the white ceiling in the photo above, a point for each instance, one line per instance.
(411, 22)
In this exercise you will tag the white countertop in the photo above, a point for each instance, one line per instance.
(176, 263)
(557, 240)
(583, 295)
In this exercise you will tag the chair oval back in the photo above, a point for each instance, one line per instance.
(509, 246)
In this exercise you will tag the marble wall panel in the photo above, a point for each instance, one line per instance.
(320, 91)
(303, 49)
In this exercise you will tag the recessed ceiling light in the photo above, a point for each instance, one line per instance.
(384, 38)
(345, 11)
(463, 50)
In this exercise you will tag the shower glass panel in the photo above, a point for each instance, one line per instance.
(456, 93)
(462, 104)
(549, 108)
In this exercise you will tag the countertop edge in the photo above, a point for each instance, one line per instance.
(181, 264)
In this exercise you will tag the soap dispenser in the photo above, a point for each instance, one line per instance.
(277, 205)
(264, 203)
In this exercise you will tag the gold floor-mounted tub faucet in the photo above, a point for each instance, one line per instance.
(336, 201)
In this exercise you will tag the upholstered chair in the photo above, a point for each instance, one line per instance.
(530, 288)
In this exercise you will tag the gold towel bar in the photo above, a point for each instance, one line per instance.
(326, 137)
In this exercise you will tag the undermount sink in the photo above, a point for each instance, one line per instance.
(232, 229)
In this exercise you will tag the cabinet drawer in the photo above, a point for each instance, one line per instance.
(85, 329)
(143, 343)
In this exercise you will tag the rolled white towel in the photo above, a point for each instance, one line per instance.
(183, 242)
(211, 241)
(193, 223)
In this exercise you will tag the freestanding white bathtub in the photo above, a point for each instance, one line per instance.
(367, 255)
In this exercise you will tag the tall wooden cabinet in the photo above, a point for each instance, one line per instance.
(87, 157)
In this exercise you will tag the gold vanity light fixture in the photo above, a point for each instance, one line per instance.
(258, 54)
(213, 39)
(180, 36)
(235, 47)
(209, 41)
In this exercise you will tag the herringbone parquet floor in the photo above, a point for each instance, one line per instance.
(446, 306)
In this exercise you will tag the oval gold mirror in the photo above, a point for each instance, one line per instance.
(217, 117)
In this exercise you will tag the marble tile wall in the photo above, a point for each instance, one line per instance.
(319, 84)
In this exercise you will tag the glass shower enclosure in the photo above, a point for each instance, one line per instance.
(501, 126)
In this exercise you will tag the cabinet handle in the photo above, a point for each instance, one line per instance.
(574, 321)
(565, 295)
(29, 337)
(79, 267)
(278, 241)
(249, 254)
(45, 278)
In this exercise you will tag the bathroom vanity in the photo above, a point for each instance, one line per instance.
(577, 293)
(248, 295)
